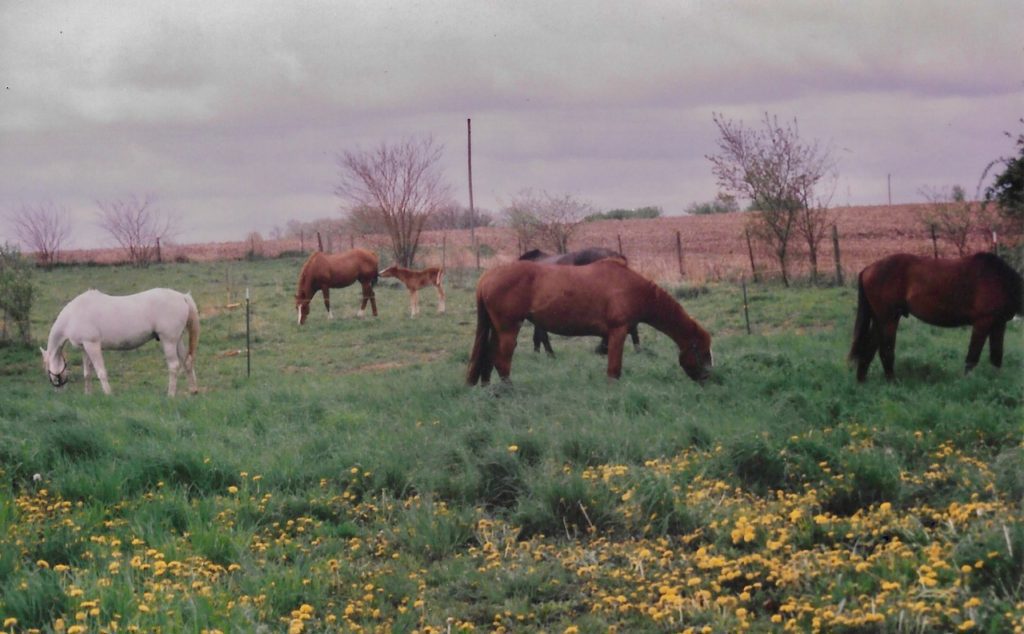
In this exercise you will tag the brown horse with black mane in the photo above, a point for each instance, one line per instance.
(415, 280)
(980, 290)
(604, 299)
(323, 271)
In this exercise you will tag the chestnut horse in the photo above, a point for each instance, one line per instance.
(414, 281)
(322, 272)
(574, 258)
(980, 290)
(604, 298)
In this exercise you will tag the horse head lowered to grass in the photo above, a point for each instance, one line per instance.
(94, 321)
(323, 271)
(981, 291)
(604, 299)
(573, 258)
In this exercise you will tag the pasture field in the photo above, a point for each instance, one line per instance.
(354, 483)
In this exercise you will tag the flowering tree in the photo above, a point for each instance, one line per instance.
(400, 185)
(778, 173)
(543, 220)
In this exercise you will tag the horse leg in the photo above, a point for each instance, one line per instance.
(440, 299)
(887, 347)
(87, 372)
(995, 344)
(506, 347)
(414, 303)
(327, 301)
(635, 336)
(616, 343)
(173, 364)
(368, 296)
(190, 367)
(979, 333)
(95, 354)
(540, 338)
(490, 350)
(871, 342)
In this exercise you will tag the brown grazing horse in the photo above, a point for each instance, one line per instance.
(415, 280)
(323, 271)
(604, 298)
(980, 290)
(574, 258)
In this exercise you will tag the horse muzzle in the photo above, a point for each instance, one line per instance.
(57, 380)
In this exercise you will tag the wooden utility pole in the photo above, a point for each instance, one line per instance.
(618, 237)
(472, 210)
(750, 250)
(835, 253)
(679, 252)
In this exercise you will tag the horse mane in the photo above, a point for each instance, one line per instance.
(306, 267)
(1007, 274)
(533, 254)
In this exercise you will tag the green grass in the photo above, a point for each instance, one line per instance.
(355, 455)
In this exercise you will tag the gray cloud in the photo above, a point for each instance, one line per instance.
(232, 112)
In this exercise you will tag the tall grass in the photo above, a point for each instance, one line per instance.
(361, 433)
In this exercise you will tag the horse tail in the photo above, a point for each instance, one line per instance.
(478, 358)
(862, 325)
(193, 330)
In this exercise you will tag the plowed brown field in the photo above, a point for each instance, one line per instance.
(713, 247)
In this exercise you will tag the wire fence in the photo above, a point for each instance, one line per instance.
(694, 249)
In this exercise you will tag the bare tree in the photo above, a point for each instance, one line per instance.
(402, 183)
(543, 220)
(813, 219)
(43, 228)
(137, 225)
(775, 171)
(950, 215)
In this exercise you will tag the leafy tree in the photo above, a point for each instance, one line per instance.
(400, 185)
(17, 292)
(648, 212)
(722, 204)
(775, 170)
(455, 216)
(950, 215)
(543, 220)
(1007, 190)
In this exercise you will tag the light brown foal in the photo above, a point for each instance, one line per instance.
(415, 280)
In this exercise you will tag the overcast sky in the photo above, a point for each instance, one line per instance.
(232, 113)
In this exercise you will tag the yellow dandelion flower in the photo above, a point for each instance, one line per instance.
(572, 629)
(10, 622)
(232, 489)
(966, 625)
(513, 448)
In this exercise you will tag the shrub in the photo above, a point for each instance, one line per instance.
(35, 599)
(17, 292)
(757, 464)
(569, 505)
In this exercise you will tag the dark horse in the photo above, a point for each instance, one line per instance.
(980, 290)
(604, 298)
(323, 271)
(574, 258)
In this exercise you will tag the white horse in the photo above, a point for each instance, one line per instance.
(94, 321)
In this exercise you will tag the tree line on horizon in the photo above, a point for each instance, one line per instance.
(398, 190)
